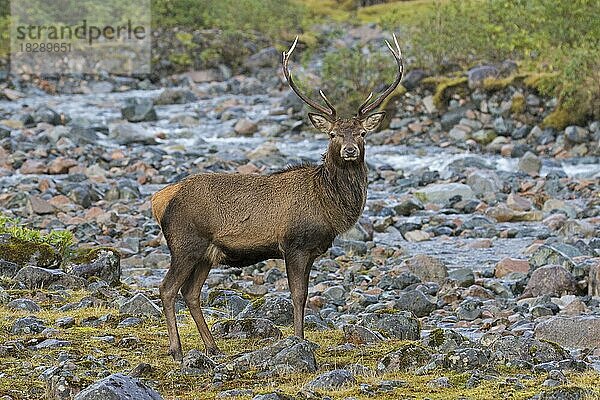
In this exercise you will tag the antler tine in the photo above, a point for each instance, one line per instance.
(331, 113)
(364, 108)
(364, 103)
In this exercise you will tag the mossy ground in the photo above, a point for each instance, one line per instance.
(20, 372)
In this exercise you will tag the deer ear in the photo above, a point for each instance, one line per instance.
(371, 122)
(320, 122)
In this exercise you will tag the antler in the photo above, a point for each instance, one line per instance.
(366, 108)
(330, 113)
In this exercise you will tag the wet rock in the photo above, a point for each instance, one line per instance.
(407, 358)
(138, 109)
(358, 335)
(36, 277)
(27, 325)
(477, 75)
(509, 265)
(24, 304)
(443, 192)
(332, 380)
(571, 332)
(175, 96)
(530, 164)
(289, 355)
(140, 305)
(102, 263)
(552, 280)
(118, 386)
(428, 268)
(128, 133)
(250, 328)
(274, 308)
(416, 236)
(245, 127)
(196, 363)
(416, 302)
(399, 325)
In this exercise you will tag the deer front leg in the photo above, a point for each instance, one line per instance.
(298, 265)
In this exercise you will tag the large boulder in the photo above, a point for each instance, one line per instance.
(102, 263)
(573, 332)
(274, 308)
(553, 280)
(398, 325)
(138, 110)
(428, 268)
(407, 358)
(443, 192)
(118, 387)
(249, 328)
(36, 278)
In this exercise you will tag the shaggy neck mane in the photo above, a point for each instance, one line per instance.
(344, 186)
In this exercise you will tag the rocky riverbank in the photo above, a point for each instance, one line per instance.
(475, 268)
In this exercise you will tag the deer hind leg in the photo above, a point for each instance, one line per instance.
(182, 266)
(298, 265)
(191, 291)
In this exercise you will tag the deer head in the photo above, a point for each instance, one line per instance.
(346, 135)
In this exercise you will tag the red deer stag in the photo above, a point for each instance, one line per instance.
(294, 214)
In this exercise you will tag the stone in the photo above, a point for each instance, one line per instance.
(552, 280)
(335, 294)
(483, 183)
(554, 253)
(27, 325)
(175, 96)
(463, 277)
(227, 300)
(412, 78)
(359, 335)
(196, 363)
(51, 344)
(65, 322)
(484, 136)
(398, 325)
(264, 58)
(571, 332)
(577, 134)
(439, 383)
(416, 302)
(519, 351)
(37, 205)
(509, 265)
(427, 268)
(245, 127)
(140, 305)
(477, 75)
(442, 192)
(102, 263)
(139, 109)
(408, 205)
(118, 387)
(567, 393)
(24, 304)
(594, 280)
(416, 236)
(530, 164)
(407, 358)
(518, 203)
(249, 328)
(36, 277)
(33, 167)
(61, 165)
(465, 359)
(332, 380)
(469, 309)
(289, 355)
(47, 115)
(443, 340)
(128, 133)
(274, 308)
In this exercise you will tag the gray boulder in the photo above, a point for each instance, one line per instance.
(428, 268)
(552, 280)
(332, 380)
(118, 387)
(274, 308)
(399, 325)
(407, 358)
(416, 302)
(443, 192)
(27, 325)
(175, 96)
(196, 363)
(36, 277)
(140, 305)
(477, 75)
(104, 264)
(249, 328)
(571, 332)
(128, 133)
(138, 110)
